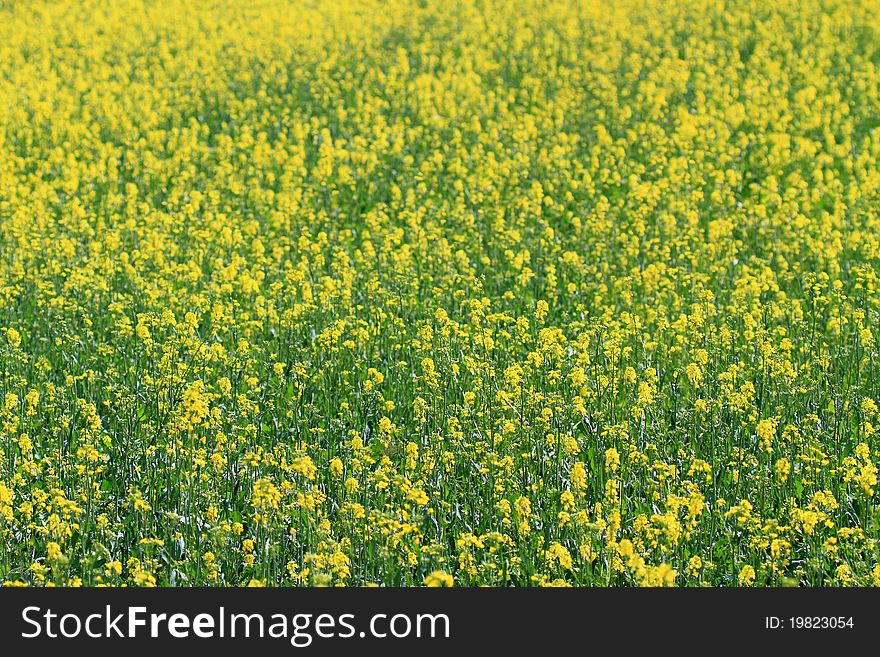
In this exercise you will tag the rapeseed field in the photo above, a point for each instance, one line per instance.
(404, 293)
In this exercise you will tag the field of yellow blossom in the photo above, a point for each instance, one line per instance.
(481, 292)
